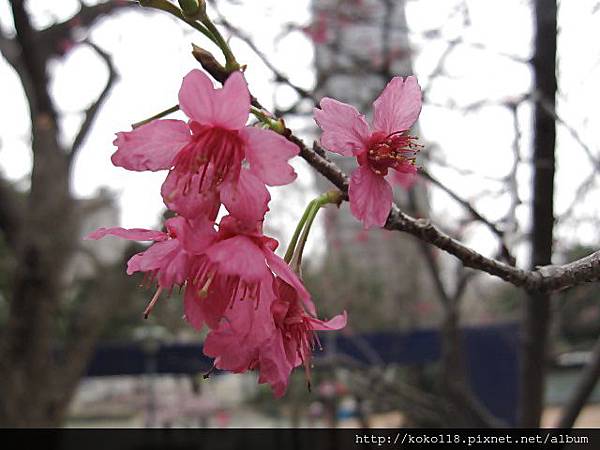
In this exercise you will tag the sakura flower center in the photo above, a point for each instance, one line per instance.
(394, 151)
(214, 148)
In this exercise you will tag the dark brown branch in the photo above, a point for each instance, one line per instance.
(92, 111)
(53, 38)
(506, 255)
(548, 278)
(34, 63)
(537, 313)
(11, 212)
(280, 77)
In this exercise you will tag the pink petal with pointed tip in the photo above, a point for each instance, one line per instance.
(398, 106)
(133, 234)
(281, 269)
(268, 154)
(247, 198)
(154, 258)
(152, 146)
(227, 107)
(345, 130)
(370, 197)
(336, 323)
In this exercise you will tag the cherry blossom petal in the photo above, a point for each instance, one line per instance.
(227, 107)
(133, 234)
(268, 154)
(239, 256)
(253, 319)
(192, 307)
(205, 308)
(154, 258)
(275, 369)
(405, 178)
(187, 199)
(247, 198)
(174, 270)
(197, 235)
(398, 106)
(345, 130)
(152, 146)
(230, 350)
(336, 323)
(370, 197)
(281, 269)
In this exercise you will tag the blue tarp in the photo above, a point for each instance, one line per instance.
(491, 359)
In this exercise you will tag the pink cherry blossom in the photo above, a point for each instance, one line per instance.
(236, 341)
(214, 152)
(236, 266)
(169, 259)
(274, 338)
(384, 146)
(294, 339)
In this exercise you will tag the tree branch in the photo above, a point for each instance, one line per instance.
(92, 111)
(505, 252)
(11, 212)
(546, 278)
(34, 63)
(51, 39)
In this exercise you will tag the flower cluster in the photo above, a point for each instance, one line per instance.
(259, 314)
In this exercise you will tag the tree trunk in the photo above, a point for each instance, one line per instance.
(537, 316)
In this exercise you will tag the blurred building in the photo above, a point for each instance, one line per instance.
(99, 211)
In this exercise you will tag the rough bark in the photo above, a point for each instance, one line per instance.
(40, 226)
(534, 345)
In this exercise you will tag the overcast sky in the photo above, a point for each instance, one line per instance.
(151, 52)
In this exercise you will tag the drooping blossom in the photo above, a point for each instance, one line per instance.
(169, 259)
(214, 152)
(294, 339)
(279, 336)
(237, 266)
(383, 149)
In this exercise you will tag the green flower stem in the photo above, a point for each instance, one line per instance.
(295, 250)
(296, 260)
(290, 251)
(265, 118)
(164, 113)
(231, 64)
(170, 8)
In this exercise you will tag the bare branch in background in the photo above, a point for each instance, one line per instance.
(280, 77)
(41, 105)
(53, 40)
(92, 111)
(505, 252)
